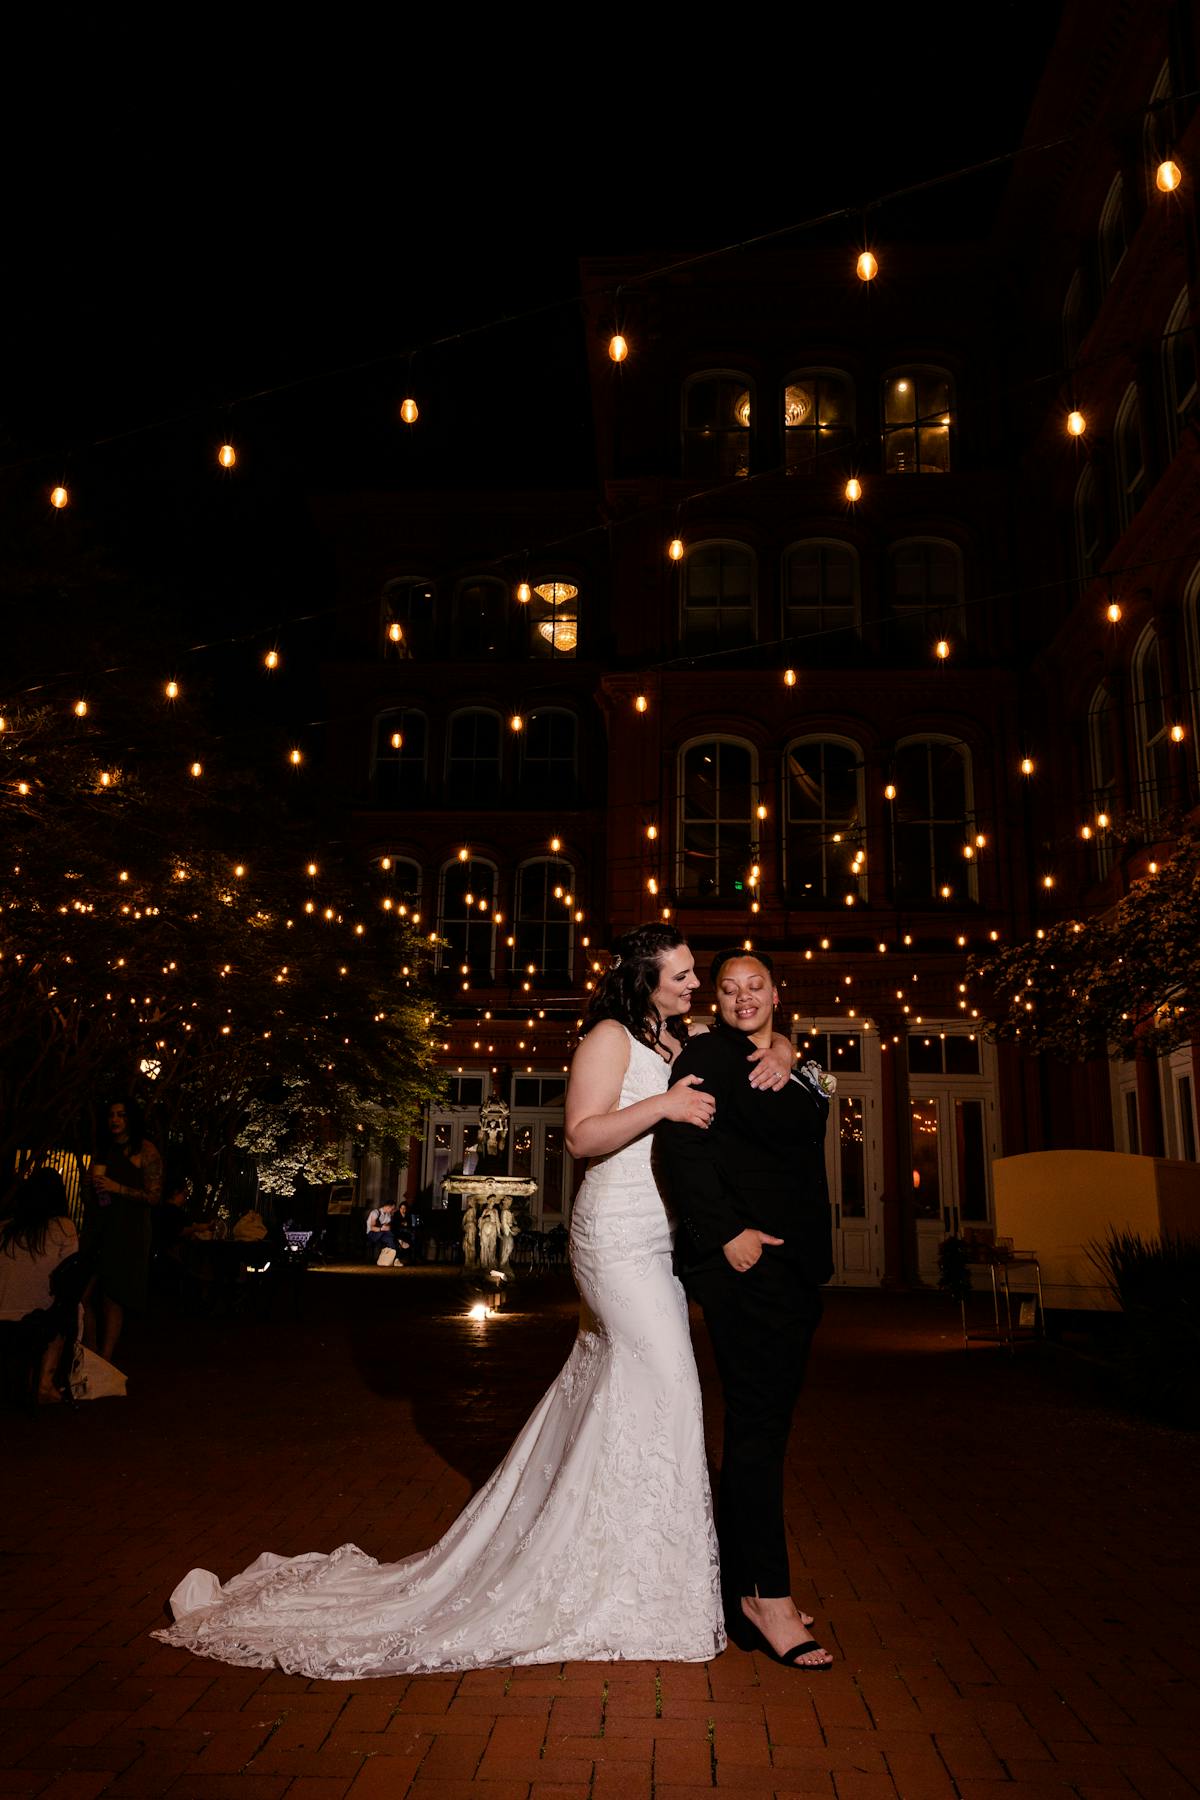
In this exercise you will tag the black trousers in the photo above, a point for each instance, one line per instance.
(761, 1326)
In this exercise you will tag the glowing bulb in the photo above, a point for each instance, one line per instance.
(524, 592)
(853, 489)
(968, 851)
(941, 649)
(1113, 613)
(1177, 734)
(105, 779)
(618, 349)
(239, 868)
(81, 707)
(395, 631)
(295, 757)
(1027, 765)
(172, 690)
(478, 1312)
(866, 268)
(311, 869)
(1102, 821)
(761, 812)
(516, 723)
(889, 792)
(397, 740)
(58, 498)
(1086, 832)
(197, 769)
(641, 703)
(272, 659)
(409, 412)
(556, 845)
(1076, 424)
(789, 678)
(652, 886)
(1167, 176)
(675, 549)
(1047, 881)
(652, 832)
(227, 456)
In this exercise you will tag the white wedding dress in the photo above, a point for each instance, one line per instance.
(594, 1538)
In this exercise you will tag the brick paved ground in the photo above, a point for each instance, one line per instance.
(1004, 1567)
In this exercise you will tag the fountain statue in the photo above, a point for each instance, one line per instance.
(489, 1226)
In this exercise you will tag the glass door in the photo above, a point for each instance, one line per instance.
(852, 1152)
(954, 1127)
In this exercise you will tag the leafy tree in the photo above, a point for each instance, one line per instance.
(1121, 981)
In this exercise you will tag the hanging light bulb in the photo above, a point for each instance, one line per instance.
(1177, 734)
(1027, 765)
(789, 678)
(1167, 176)
(640, 703)
(652, 832)
(889, 792)
(675, 549)
(80, 709)
(58, 498)
(227, 456)
(197, 769)
(271, 659)
(172, 690)
(516, 723)
(396, 632)
(941, 649)
(295, 757)
(524, 592)
(866, 268)
(618, 349)
(397, 740)
(1113, 613)
(1102, 821)
(853, 489)
(1076, 423)
(409, 411)
(761, 812)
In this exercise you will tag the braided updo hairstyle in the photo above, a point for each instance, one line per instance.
(624, 991)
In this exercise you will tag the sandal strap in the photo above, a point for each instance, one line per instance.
(804, 1649)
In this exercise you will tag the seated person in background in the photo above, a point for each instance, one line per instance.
(380, 1235)
(404, 1231)
(33, 1242)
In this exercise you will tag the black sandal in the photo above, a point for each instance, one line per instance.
(747, 1636)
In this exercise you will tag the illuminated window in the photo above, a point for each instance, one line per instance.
(553, 618)
(401, 880)
(717, 826)
(820, 588)
(718, 597)
(1130, 447)
(547, 768)
(718, 410)
(473, 758)
(918, 418)
(408, 618)
(1089, 546)
(468, 898)
(399, 769)
(1179, 369)
(480, 619)
(932, 812)
(818, 417)
(543, 924)
(822, 821)
(1110, 233)
(927, 594)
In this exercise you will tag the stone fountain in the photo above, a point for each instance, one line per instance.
(487, 1193)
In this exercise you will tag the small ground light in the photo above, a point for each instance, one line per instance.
(618, 349)
(1167, 176)
(853, 489)
(59, 497)
(227, 456)
(866, 268)
(479, 1312)
(409, 411)
(1076, 423)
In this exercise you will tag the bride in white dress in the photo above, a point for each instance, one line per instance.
(594, 1538)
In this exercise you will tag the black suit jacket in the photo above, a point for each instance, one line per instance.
(761, 1162)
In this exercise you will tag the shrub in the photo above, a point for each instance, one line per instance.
(1157, 1283)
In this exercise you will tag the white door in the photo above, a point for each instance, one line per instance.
(954, 1121)
(853, 1161)
(1179, 1103)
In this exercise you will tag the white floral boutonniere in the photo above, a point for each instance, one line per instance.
(819, 1078)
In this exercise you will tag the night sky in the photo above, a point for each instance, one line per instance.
(221, 227)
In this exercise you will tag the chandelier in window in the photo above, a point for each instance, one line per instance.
(796, 406)
(561, 632)
(741, 410)
(554, 593)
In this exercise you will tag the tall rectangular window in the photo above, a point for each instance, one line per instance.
(717, 831)
(822, 820)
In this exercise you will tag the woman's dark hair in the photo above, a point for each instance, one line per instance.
(40, 1198)
(623, 991)
(135, 1122)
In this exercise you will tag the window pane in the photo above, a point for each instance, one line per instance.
(818, 417)
(480, 609)
(925, 1055)
(716, 436)
(547, 767)
(399, 763)
(717, 835)
(918, 413)
(553, 1158)
(927, 1187)
(845, 1052)
(852, 1158)
(1133, 1133)
(543, 921)
(522, 1150)
(821, 820)
(962, 1055)
(469, 899)
(408, 606)
(718, 596)
(473, 758)
(972, 1160)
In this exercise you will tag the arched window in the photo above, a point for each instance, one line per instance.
(717, 410)
(823, 811)
(467, 901)
(820, 588)
(547, 770)
(408, 617)
(818, 417)
(932, 820)
(1179, 369)
(399, 765)
(1103, 767)
(480, 619)
(554, 618)
(717, 831)
(1156, 127)
(398, 879)
(1152, 726)
(1089, 548)
(1073, 328)
(473, 757)
(1110, 233)
(543, 924)
(927, 594)
(918, 417)
(718, 597)
(1130, 456)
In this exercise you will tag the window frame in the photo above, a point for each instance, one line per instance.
(499, 590)
(520, 954)
(932, 821)
(570, 797)
(854, 830)
(485, 923)
(1154, 747)
(415, 631)
(920, 422)
(402, 897)
(841, 437)
(1175, 406)
(727, 437)
(788, 606)
(1102, 771)
(1087, 493)
(682, 820)
(1131, 488)
(950, 618)
(694, 638)
(1109, 225)
(451, 791)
